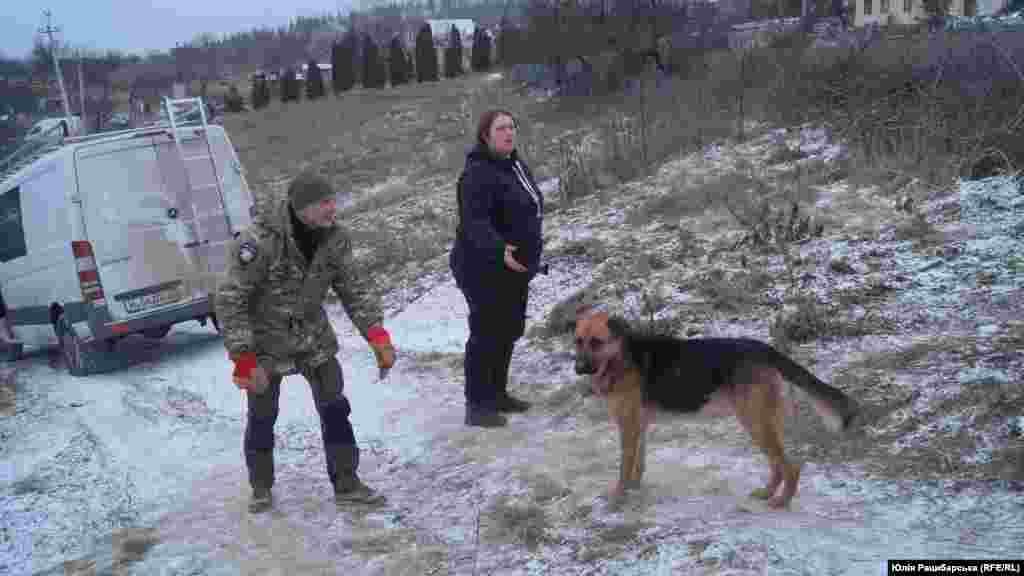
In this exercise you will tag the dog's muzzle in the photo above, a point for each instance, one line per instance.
(584, 365)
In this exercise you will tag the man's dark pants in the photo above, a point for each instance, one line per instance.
(327, 386)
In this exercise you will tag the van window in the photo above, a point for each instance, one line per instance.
(12, 234)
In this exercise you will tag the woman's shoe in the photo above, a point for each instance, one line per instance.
(484, 417)
(512, 404)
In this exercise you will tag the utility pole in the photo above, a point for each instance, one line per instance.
(49, 30)
(81, 94)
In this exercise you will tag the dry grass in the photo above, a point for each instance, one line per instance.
(681, 201)
(919, 230)
(733, 292)
(527, 523)
(8, 391)
(361, 137)
(808, 320)
(559, 319)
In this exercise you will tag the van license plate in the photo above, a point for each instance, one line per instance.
(147, 301)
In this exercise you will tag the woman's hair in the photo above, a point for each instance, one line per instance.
(483, 127)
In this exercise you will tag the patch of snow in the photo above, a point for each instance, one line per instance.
(550, 186)
(435, 322)
(815, 143)
(982, 376)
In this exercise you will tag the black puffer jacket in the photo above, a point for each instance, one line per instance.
(499, 203)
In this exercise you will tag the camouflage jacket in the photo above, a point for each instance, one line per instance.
(270, 300)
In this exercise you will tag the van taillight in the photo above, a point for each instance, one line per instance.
(88, 273)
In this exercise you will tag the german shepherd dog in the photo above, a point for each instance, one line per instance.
(642, 375)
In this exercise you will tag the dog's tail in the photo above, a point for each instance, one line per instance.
(836, 409)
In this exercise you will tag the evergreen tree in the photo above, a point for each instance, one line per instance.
(508, 40)
(474, 51)
(335, 63)
(453, 54)
(426, 56)
(457, 58)
(396, 58)
(260, 93)
(346, 70)
(234, 102)
(410, 65)
(289, 86)
(481, 56)
(314, 81)
(372, 69)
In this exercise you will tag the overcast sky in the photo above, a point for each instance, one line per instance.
(141, 25)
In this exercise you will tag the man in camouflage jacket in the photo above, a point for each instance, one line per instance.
(270, 309)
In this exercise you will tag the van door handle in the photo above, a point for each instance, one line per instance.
(172, 213)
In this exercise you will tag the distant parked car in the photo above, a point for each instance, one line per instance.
(55, 129)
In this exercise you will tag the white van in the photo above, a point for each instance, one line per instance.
(118, 233)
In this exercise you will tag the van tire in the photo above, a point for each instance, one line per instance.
(11, 352)
(80, 357)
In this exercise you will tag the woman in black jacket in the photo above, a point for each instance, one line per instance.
(496, 253)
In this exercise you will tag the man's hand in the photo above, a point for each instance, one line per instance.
(380, 342)
(511, 262)
(249, 375)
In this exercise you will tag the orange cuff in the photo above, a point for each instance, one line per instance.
(377, 335)
(244, 363)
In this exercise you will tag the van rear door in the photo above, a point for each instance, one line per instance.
(200, 198)
(141, 223)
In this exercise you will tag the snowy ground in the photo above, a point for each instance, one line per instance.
(140, 471)
(145, 465)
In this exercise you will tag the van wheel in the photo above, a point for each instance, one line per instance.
(80, 357)
(11, 352)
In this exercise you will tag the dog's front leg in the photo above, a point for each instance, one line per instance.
(646, 418)
(631, 438)
(617, 491)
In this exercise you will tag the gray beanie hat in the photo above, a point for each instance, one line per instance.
(308, 188)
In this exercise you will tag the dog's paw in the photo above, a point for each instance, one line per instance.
(616, 493)
(613, 502)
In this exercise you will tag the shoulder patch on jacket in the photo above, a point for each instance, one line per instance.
(247, 252)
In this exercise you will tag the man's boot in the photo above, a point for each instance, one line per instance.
(261, 478)
(348, 488)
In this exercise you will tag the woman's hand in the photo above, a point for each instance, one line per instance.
(511, 262)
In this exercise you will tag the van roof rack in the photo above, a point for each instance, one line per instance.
(26, 154)
(52, 139)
